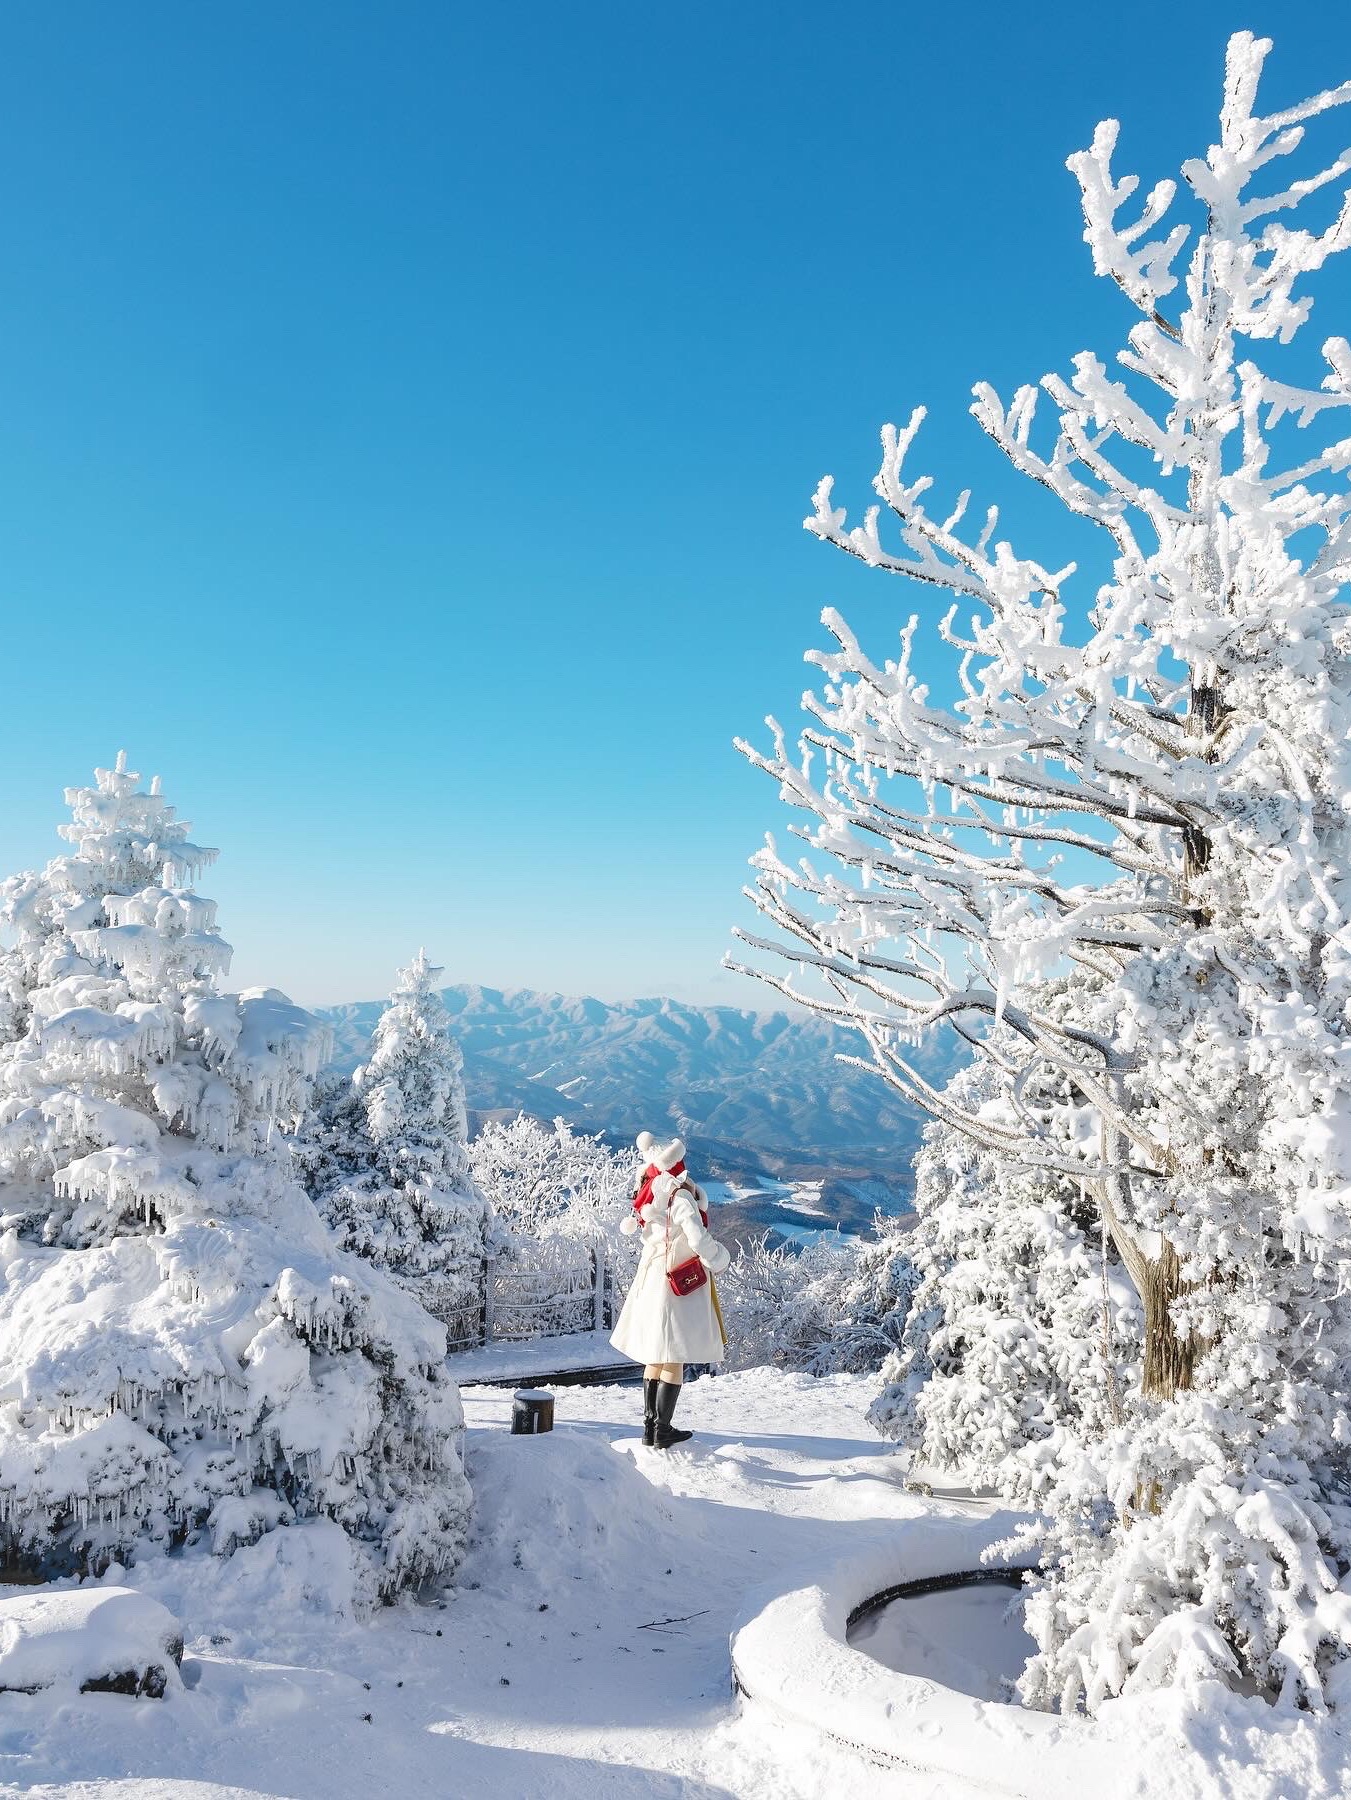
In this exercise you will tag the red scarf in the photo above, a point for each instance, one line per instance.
(644, 1194)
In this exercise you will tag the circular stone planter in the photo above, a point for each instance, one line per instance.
(793, 1659)
(966, 1641)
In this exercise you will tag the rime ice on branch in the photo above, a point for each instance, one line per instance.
(183, 1353)
(386, 1155)
(1146, 787)
(546, 1181)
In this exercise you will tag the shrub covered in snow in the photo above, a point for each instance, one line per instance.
(183, 1352)
(548, 1181)
(384, 1154)
(1145, 784)
(103, 1639)
(835, 1305)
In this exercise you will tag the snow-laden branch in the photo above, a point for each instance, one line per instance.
(1102, 793)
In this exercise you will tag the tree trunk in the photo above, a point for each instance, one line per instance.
(1169, 1359)
(1203, 720)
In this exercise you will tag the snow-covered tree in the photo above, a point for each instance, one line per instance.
(550, 1181)
(184, 1355)
(1023, 1334)
(1149, 789)
(385, 1154)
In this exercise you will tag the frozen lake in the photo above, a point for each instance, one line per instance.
(795, 1209)
(972, 1639)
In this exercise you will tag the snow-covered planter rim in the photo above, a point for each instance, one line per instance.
(794, 1658)
(1011, 1574)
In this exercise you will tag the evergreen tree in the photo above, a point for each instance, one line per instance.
(386, 1155)
(1019, 1339)
(183, 1354)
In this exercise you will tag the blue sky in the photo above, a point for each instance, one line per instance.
(407, 415)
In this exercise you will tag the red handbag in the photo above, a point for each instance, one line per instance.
(687, 1277)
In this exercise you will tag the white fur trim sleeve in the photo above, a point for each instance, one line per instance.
(713, 1255)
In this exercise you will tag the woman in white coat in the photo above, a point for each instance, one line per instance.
(658, 1327)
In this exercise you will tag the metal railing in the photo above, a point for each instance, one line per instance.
(547, 1289)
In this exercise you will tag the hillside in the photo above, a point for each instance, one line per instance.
(752, 1093)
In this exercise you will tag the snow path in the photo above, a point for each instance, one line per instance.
(499, 1363)
(557, 1673)
(583, 1654)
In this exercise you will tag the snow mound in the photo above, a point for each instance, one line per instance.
(107, 1637)
(563, 1505)
(306, 1576)
(793, 1658)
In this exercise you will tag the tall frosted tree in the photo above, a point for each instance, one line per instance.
(184, 1356)
(1146, 786)
(387, 1154)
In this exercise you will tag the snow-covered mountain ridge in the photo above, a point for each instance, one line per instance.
(751, 1092)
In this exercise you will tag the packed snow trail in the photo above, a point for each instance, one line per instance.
(583, 1653)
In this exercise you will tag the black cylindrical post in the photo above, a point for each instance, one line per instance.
(532, 1411)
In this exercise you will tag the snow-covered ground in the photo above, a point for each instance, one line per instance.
(536, 1359)
(972, 1639)
(584, 1652)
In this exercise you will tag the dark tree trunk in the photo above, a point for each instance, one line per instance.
(1203, 719)
(1195, 854)
(1170, 1360)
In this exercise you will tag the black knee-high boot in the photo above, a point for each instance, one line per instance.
(668, 1392)
(650, 1410)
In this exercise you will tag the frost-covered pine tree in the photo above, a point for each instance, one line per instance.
(386, 1159)
(184, 1355)
(1023, 1335)
(1148, 787)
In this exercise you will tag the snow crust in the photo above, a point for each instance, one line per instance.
(971, 1639)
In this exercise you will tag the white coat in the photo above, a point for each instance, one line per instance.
(657, 1325)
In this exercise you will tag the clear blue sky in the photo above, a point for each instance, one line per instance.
(407, 414)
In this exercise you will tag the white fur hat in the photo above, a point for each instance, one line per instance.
(666, 1156)
(645, 1144)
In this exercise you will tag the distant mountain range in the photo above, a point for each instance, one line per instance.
(751, 1093)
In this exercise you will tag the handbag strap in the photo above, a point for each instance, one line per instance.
(682, 1183)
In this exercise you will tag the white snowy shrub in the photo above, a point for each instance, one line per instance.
(384, 1154)
(834, 1305)
(548, 1181)
(1144, 788)
(184, 1356)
